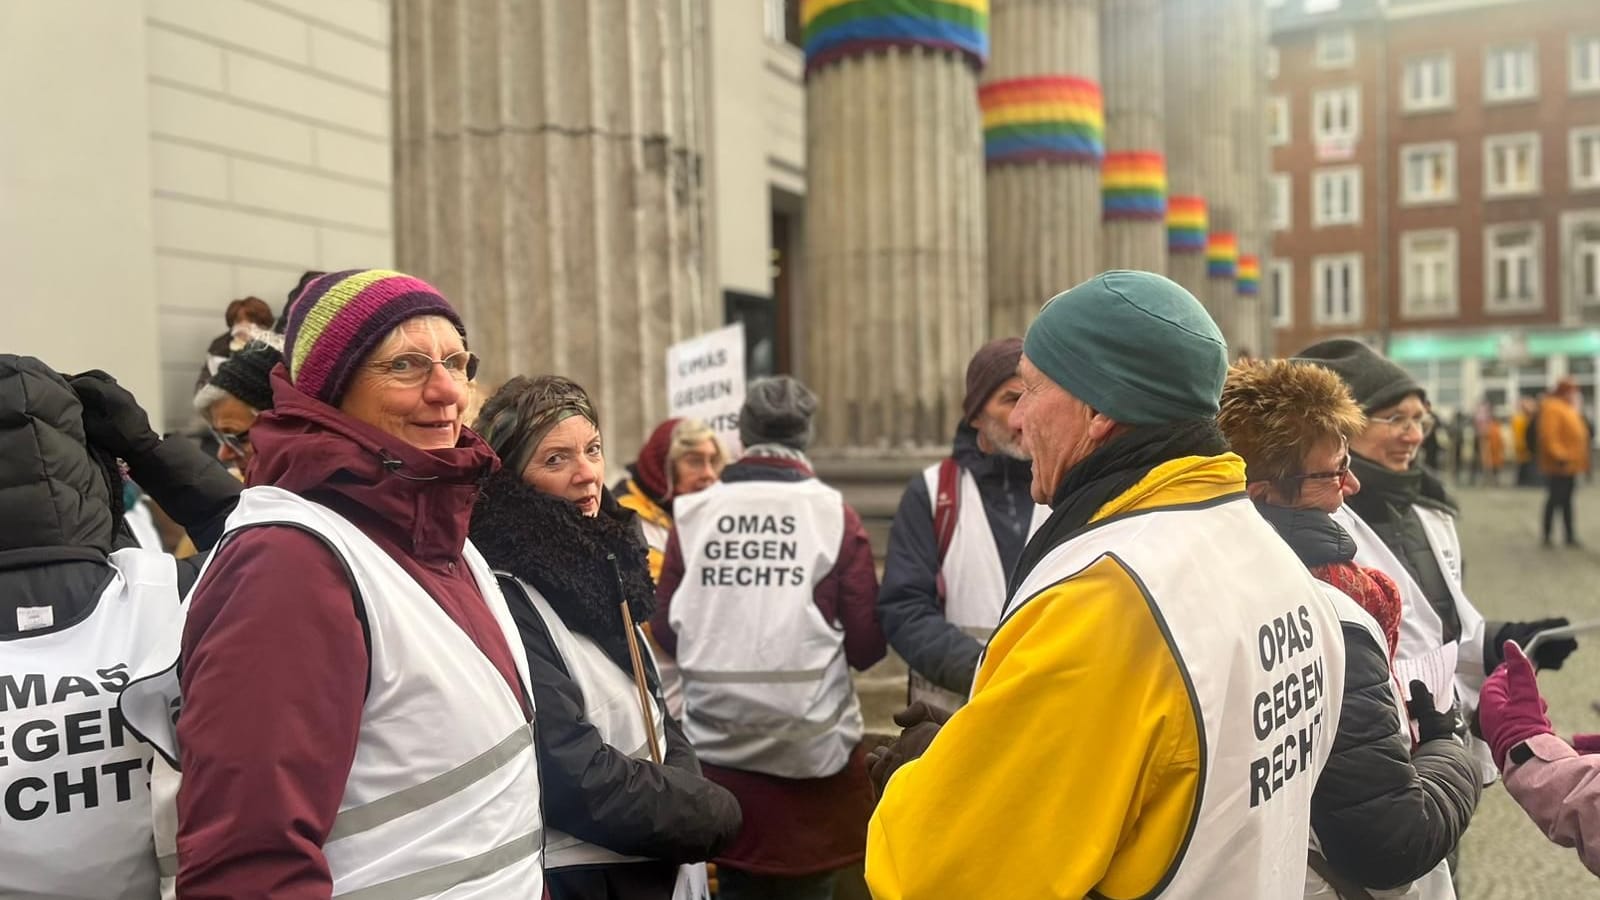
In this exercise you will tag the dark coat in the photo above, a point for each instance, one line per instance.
(591, 789)
(1385, 815)
(908, 600)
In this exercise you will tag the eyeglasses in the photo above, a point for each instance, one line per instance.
(1424, 423)
(1341, 474)
(239, 443)
(412, 369)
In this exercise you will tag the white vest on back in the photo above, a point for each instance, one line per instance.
(1259, 643)
(974, 577)
(75, 820)
(1421, 630)
(443, 797)
(766, 684)
(1436, 885)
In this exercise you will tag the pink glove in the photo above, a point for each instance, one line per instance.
(1510, 709)
(1586, 743)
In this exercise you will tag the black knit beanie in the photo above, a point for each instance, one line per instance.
(1374, 381)
(245, 375)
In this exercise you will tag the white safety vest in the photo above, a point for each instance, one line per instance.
(611, 707)
(1436, 885)
(1421, 630)
(974, 577)
(1247, 625)
(766, 684)
(74, 801)
(655, 536)
(442, 799)
(142, 523)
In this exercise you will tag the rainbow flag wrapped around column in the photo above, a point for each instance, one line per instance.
(1051, 117)
(835, 29)
(1249, 275)
(1134, 186)
(1222, 255)
(1186, 223)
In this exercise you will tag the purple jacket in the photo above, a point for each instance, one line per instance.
(1560, 791)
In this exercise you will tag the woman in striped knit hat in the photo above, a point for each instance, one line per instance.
(354, 713)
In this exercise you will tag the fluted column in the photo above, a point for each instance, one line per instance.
(1217, 105)
(1134, 180)
(1252, 163)
(1044, 141)
(548, 180)
(894, 259)
(1187, 219)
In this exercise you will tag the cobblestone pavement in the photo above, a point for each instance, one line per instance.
(1504, 857)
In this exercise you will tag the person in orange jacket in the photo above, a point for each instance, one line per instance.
(1563, 442)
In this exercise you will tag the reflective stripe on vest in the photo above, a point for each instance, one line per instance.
(1217, 578)
(766, 684)
(454, 807)
(974, 576)
(76, 816)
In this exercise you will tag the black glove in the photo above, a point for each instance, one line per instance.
(112, 418)
(921, 722)
(1431, 724)
(1550, 654)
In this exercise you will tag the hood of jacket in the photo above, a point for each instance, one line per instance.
(582, 566)
(55, 496)
(421, 500)
(1312, 534)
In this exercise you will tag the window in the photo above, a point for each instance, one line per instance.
(1511, 164)
(1321, 6)
(1336, 282)
(1508, 73)
(1335, 122)
(1281, 213)
(1277, 121)
(1336, 48)
(1280, 289)
(1272, 63)
(1585, 156)
(1585, 63)
(1336, 196)
(1428, 273)
(1511, 276)
(1586, 257)
(1429, 83)
(1428, 172)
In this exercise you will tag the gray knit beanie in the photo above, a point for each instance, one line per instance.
(777, 410)
(1374, 381)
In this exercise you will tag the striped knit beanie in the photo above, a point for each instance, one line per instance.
(340, 317)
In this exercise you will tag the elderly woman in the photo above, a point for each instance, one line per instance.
(624, 799)
(1383, 815)
(231, 400)
(682, 456)
(354, 713)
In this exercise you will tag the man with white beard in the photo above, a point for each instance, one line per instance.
(961, 525)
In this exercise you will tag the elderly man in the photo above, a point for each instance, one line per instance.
(1158, 700)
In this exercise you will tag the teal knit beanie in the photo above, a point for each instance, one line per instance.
(1134, 346)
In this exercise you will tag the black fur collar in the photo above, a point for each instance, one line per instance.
(547, 543)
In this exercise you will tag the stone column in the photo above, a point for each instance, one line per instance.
(1187, 219)
(548, 180)
(894, 258)
(1044, 141)
(1252, 168)
(1134, 180)
(1217, 106)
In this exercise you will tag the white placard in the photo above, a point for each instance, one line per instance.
(706, 379)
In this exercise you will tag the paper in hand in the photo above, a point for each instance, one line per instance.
(1437, 670)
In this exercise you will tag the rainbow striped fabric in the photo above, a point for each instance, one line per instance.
(1222, 255)
(1134, 186)
(1050, 117)
(1249, 275)
(835, 29)
(1186, 223)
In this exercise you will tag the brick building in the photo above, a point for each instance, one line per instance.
(1436, 187)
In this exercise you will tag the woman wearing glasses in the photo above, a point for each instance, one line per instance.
(1404, 524)
(355, 716)
(231, 400)
(1383, 816)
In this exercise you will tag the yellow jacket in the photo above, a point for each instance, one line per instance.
(1061, 776)
(657, 522)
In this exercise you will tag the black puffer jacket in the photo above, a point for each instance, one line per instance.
(591, 790)
(60, 515)
(1385, 816)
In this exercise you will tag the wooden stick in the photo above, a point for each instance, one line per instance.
(637, 658)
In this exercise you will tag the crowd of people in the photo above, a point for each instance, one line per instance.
(1174, 629)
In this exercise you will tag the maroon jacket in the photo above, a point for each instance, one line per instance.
(275, 659)
(799, 826)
